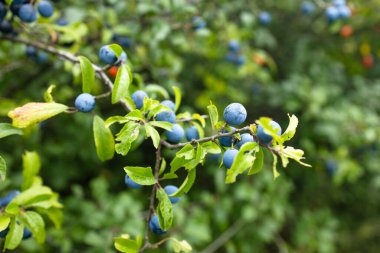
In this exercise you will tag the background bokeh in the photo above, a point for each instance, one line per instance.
(298, 63)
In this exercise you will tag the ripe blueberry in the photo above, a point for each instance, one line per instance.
(229, 157)
(171, 189)
(235, 114)
(266, 138)
(85, 102)
(138, 98)
(176, 134)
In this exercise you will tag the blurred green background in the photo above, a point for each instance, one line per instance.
(299, 64)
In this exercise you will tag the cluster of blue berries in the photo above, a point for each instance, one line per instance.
(4, 201)
(233, 55)
(176, 134)
(37, 56)
(169, 190)
(85, 102)
(25, 10)
(338, 10)
(235, 114)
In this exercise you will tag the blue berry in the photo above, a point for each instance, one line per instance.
(192, 133)
(171, 189)
(138, 98)
(266, 138)
(6, 27)
(226, 141)
(31, 51)
(198, 23)
(107, 55)
(168, 116)
(130, 183)
(332, 13)
(62, 21)
(45, 8)
(235, 114)
(85, 102)
(344, 12)
(265, 18)
(27, 13)
(307, 7)
(154, 226)
(229, 157)
(4, 201)
(244, 139)
(169, 104)
(233, 46)
(240, 60)
(176, 134)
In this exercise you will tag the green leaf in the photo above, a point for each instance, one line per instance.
(164, 209)
(7, 129)
(213, 112)
(54, 214)
(177, 97)
(211, 147)
(275, 172)
(36, 224)
(14, 236)
(162, 124)
(48, 97)
(186, 185)
(33, 113)
(242, 162)
(152, 133)
(121, 85)
(183, 156)
(141, 175)
(125, 244)
(291, 130)
(135, 115)
(292, 153)
(181, 246)
(157, 89)
(199, 117)
(33, 195)
(163, 166)
(4, 222)
(200, 154)
(117, 49)
(127, 135)
(115, 119)
(104, 142)
(31, 166)
(258, 162)
(3, 169)
(158, 109)
(88, 74)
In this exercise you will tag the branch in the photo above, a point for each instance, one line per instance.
(66, 56)
(147, 244)
(205, 139)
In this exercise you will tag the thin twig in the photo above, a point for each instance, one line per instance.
(147, 244)
(66, 56)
